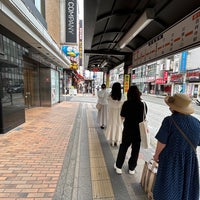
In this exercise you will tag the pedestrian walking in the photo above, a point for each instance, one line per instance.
(178, 137)
(114, 128)
(132, 113)
(102, 112)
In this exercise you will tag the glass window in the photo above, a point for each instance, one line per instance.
(12, 75)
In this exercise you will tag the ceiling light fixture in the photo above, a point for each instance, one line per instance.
(140, 24)
(104, 63)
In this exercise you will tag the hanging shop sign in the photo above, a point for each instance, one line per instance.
(70, 51)
(73, 65)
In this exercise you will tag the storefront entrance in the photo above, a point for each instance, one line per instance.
(31, 85)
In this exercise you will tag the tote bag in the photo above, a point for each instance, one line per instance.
(148, 177)
(144, 132)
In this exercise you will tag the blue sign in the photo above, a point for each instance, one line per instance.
(183, 88)
(70, 51)
(183, 61)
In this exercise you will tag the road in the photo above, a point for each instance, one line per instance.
(157, 110)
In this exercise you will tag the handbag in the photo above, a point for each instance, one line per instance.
(148, 177)
(98, 106)
(144, 132)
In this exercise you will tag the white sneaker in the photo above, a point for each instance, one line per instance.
(131, 172)
(118, 170)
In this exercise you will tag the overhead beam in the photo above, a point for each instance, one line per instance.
(116, 13)
(102, 52)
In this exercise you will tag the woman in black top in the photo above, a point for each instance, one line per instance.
(132, 113)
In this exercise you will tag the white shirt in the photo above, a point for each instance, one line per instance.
(102, 97)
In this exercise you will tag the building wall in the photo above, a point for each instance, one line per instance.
(53, 19)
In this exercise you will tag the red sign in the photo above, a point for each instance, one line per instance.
(160, 81)
(151, 79)
(193, 75)
(165, 75)
(176, 78)
(133, 76)
(95, 69)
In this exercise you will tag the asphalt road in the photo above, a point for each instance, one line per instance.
(160, 100)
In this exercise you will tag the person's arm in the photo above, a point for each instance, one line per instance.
(159, 148)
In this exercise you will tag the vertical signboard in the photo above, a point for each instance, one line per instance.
(71, 21)
(183, 61)
(126, 83)
(80, 42)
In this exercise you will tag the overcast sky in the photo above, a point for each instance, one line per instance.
(80, 2)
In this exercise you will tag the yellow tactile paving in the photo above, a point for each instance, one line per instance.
(95, 146)
(95, 153)
(101, 185)
(99, 173)
(97, 162)
(102, 189)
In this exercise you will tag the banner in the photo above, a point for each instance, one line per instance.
(183, 61)
(80, 42)
(126, 83)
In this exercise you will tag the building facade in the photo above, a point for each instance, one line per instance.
(30, 61)
(179, 73)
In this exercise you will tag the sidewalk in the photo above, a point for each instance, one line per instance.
(60, 154)
(32, 155)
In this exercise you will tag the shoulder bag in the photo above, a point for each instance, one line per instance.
(144, 132)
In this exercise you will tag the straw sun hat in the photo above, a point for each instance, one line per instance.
(180, 103)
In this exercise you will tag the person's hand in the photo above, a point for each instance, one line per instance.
(155, 157)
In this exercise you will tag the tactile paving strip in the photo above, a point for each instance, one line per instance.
(101, 185)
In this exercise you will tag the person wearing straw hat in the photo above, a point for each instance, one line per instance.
(177, 139)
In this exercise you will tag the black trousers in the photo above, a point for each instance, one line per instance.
(135, 145)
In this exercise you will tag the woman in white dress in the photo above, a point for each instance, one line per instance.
(103, 100)
(115, 124)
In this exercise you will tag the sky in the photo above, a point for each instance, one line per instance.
(80, 2)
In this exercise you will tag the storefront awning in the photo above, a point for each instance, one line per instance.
(78, 76)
